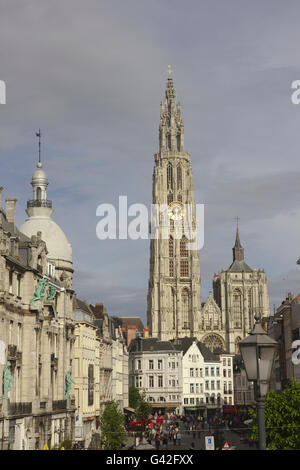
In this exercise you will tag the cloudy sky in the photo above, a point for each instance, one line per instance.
(92, 74)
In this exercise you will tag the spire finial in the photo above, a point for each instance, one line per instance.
(238, 250)
(39, 135)
(170, 70)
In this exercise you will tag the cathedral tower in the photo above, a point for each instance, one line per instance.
(240, 292)
(174, 293)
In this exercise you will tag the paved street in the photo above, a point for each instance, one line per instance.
(199, 440)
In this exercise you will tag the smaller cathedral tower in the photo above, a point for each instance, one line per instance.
(240, 292)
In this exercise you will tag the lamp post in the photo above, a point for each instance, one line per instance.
(258, 352)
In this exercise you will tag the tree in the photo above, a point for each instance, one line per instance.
(112, 427)
(282, 417)
(134, 397)
(143, 409)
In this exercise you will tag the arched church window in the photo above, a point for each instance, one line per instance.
(183, 247)
(184, 268)
(39, 194)
(171, 247)
(171, 267)
(237, 309)
(214, 343)
(179, 177)
(169, 176)
(170, 198)
(185, 302)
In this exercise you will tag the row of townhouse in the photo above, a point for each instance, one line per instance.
(100, 370)
(182, 376)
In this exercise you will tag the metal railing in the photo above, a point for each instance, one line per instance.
(38, 203)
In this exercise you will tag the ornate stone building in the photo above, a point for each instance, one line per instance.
(174, 294)
(174, 308)
(37, 327)
(240, 292)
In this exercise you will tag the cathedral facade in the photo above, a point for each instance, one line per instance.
(174, 305)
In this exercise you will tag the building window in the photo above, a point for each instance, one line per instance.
(159, 364)
(179, 176)
(206, 371)
(212, 385)
(185, 308)
(206, 385)
(171, 268)
(10, 287)
(184, 268)
(90, 385)
(151, 381)
(160, 381)
(191, 372)
(169, 176)
(192, 390)
(183, 247)
(19, 285)
(212, 371)
(171, 247)
(237, 309)
(192, 401)
(151, 364)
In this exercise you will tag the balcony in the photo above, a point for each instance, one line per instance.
(37, 203)
(20, 408)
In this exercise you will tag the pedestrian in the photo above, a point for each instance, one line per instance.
(178, 438)
(174, 438)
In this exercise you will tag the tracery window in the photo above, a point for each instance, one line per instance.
(169, 176)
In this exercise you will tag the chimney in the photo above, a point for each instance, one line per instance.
(1, 189)
(98, 310)
(11, 209)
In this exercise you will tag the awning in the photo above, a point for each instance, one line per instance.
(131, 410)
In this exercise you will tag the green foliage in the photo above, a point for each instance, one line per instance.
(134, 397)
(112, 427)
(138, 401)
(143, 409)
(66, 444)
(282, 417)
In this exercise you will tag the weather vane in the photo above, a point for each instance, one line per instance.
(39, 134)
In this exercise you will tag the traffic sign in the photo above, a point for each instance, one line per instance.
(209, 443)
(226, 446)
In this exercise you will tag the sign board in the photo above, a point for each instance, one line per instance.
(226, 446)
(209, 443)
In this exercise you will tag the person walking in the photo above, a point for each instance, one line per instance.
(157, 442)
(178, 438)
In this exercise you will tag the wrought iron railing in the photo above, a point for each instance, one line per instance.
(38, 203)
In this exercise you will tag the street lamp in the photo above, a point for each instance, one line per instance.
(258, 352)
